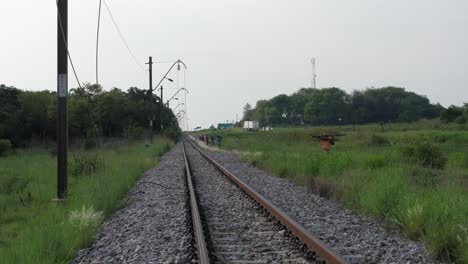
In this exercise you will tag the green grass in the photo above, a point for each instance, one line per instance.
(34, 229)
(367, 171)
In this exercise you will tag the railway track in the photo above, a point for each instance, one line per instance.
(232, 223)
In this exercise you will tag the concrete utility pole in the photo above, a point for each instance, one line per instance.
(161, 110)
(150, 63)
(97, 41)
(314, 75)
(62, 93)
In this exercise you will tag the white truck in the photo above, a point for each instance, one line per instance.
(251, 125)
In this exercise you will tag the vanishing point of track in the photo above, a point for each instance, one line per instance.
(248, 228)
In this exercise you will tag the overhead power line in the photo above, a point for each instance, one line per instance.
(122, 37)
(66, 45)
(164, 61)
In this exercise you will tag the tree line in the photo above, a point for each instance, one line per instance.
(455, 114)
(333, 106)
(31, 116)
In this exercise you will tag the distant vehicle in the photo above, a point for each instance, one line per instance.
(224, 126)
(251, 125)
(267, 128)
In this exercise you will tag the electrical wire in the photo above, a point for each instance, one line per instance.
(66, 44)
(97, 42)
(122, 37)
(164, 61)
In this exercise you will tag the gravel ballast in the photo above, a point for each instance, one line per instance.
(154, 226)
(357, 238)
(237, 230)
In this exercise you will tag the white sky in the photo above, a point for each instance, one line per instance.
(240, 51)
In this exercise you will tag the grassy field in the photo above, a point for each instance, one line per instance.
(34, 229)
(410, 176)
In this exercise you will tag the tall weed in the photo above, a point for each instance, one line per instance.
(86, 163)
(382, 195)
(45, 232)
(411, 176)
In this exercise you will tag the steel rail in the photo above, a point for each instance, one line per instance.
(202, 251)
(297, 229)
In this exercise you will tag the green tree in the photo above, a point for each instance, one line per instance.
(451, 113)
(248, 113)
(92, 112)
(335, 106)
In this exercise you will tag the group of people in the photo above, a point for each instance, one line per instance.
(211, 140)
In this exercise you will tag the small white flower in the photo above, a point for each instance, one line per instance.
(85, 217)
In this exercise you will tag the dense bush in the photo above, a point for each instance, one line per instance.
(425, 153)
(5, 146)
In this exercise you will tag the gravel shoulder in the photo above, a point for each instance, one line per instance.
(154, 226)
(359, 239)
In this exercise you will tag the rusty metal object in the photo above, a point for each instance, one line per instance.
(328, 140)
(313, 243)
(202, 251)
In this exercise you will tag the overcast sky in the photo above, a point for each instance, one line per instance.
(240, 51)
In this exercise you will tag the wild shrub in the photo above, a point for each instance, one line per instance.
(425, 153)
(85, 163)
(442, 234)
(378, 140)
(5, 146)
